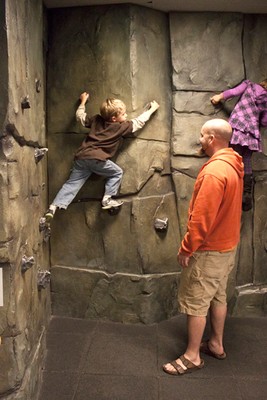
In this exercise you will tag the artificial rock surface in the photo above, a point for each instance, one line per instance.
(160, 162)
(115, 267)
(127, 243)
(26, 310)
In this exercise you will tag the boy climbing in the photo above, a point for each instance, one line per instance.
(100, 144)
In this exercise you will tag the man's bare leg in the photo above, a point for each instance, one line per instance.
(195, 329)
(217, 321)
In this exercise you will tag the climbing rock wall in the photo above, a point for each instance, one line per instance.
(117, 267)
(120, 267)
(203, 66)
(23, 253)
(129, 267)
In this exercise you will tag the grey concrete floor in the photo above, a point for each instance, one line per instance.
(96, 360)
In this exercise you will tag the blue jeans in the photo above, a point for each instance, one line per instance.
(81, 171)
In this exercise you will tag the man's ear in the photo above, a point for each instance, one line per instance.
(211, 137)
(113, 118)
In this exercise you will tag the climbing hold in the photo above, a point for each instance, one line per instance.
(39, 153)
(26, 263)
(38, 85)
(43, 279)
(25, 103)
(47, 233)
(42, 224)
(44, 227)
(161, 224)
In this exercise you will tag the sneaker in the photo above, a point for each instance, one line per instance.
(49, 214)
(110, 203)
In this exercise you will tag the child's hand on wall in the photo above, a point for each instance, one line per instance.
(153, 106)
(216, 99)
(84, 97)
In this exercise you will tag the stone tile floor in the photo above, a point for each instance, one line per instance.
(96, 360)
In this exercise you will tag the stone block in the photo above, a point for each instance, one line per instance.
(198, 102)
(4, 253)
(255, 52)
(199, 61)
(118, 297)
(151, 69)
(88, 224)
(158, 184)
(184, 186)
(144, 157)
(162, 259)
(264, 142)
(260, 229)
(119, 243)
(4, 210)
(244, 272)
(3, 68)
(249, 301)
(92, 67)
(189, 166)
(259, 162)
(10, 376)
(186, 132)
(30, 381)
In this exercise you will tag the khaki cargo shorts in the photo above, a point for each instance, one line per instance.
(204, 281)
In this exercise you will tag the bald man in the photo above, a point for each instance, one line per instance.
(207, 251)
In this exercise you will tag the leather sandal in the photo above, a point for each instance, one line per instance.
(186, 366)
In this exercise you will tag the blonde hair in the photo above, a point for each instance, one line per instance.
(111, 108)
(264, 84)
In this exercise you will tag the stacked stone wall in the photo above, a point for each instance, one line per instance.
(138, 54)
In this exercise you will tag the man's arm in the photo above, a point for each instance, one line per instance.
(80, 113)
(140, 121)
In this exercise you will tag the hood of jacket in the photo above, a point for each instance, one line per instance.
(229, 156)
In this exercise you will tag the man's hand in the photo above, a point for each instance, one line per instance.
(84, 97)
(183, 260)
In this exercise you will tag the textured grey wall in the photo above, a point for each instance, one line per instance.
(118, 267)
(23, 197)
(124, 52)
(134, 53)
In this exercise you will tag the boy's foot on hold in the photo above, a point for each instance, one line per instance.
(110, 203)
(49, 214)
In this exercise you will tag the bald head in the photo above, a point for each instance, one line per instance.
(219, 128)
(215, 135)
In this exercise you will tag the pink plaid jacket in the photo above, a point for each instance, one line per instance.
(249, 114)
